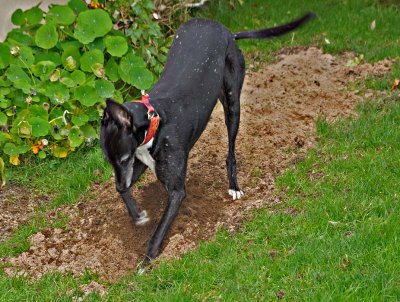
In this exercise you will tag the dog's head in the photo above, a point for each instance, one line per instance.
(120, 135)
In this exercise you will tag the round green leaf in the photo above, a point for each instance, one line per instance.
(16, 36)
(65, 44)
(33, 16)
(23, 85)
(112, 70)
(57, 92)
(131, 61)
(42, 154)
(38, 111)
(46, 36)
(5, 56)
(91, 57)
(67, 82)
(48, 56)
(3, 119)
(10, 149)
(4, 91)
(75, 137)
(18, 18)
(78, 77)
(92, 24)
(144, 79)
(116, 46)
(139, 77)
(86, 95)
(4, 103)
(80, 120)
(104, 88)
(88, 131)
(13, 150)
(43, 69)
(40, 127)
(15, 73)
(93, 113)
(132, 70)
(97, 44)
(61, 14)
(77, 6)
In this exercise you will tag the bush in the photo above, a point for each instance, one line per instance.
(57, 68)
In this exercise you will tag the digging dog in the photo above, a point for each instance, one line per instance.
(204, 65)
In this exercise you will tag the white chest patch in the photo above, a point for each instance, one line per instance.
(142, 153)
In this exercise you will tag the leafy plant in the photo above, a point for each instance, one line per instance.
(57, 68)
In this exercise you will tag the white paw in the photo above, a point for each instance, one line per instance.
(143, 219)
(141, 271)
(235, 194)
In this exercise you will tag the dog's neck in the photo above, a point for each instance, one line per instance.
(143, 154)
(147, 131)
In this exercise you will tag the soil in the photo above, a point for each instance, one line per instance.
(280, 104)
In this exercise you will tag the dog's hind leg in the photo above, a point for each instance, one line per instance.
(139, 218)
(230, 98)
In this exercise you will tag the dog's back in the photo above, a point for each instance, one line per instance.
(195, 61)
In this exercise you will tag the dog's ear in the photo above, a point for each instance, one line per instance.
(118, 113)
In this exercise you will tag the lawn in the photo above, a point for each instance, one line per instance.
(340, 242)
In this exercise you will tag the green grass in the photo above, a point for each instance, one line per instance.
(67, 178)
(340, 244)
(345, 23)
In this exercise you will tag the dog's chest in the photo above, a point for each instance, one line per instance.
(142, 153)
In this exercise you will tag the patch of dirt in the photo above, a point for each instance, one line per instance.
(280, 105)
(17, 205)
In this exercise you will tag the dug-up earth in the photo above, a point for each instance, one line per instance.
(280, 104)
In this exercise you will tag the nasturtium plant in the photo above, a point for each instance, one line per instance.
(61, 14)
(46, 36)
(133, 71)
(104, 88)
(116, 46)
(90, 58)
(5, 55)
(92, 24)
(58, 67)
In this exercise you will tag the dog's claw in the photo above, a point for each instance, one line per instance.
(235, 194)
(143, 218)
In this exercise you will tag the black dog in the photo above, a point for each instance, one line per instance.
(203, 65)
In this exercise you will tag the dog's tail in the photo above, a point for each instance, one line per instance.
(274, 31)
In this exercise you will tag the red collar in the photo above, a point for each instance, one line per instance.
(152, 115)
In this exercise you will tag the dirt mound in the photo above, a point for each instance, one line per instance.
(280, 104)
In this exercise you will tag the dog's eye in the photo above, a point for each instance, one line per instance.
(125, 159)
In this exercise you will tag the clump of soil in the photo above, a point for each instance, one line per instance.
(280, 105)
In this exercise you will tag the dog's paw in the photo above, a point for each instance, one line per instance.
(143, 218)
(235, 194)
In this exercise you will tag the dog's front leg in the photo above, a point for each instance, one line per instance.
(172, 175)
(139, 218)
